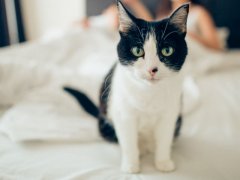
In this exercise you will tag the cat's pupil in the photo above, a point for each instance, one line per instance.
(167, 50)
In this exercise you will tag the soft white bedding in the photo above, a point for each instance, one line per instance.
(46, 135)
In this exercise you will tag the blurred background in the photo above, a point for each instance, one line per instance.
(23, 20)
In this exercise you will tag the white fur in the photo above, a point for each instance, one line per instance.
(144, 110)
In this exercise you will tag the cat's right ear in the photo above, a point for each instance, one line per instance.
(125, 17)
(179, 18)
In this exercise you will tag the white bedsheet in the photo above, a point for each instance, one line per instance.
(64, 140)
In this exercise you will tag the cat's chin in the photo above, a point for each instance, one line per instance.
(151, 81)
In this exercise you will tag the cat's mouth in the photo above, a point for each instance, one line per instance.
(147, 79)
(152, 80)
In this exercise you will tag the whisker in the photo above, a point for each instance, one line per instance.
(165, 30)
(169, 34)
(105, 91)
(140, 33)
(107, 78)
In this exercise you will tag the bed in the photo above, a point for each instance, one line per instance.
(44, 134)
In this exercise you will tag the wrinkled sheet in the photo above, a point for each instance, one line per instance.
(64, 141)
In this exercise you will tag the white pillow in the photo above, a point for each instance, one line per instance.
(48, 114)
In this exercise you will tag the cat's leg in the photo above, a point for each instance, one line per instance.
(164, 136)
(127, 132)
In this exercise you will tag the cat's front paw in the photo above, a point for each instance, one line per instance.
(165, 166)
(130, 168)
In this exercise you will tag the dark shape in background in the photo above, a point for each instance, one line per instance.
(20, 26)
(5, 37)
(226, 14)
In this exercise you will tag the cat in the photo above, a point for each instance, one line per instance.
(140, 99)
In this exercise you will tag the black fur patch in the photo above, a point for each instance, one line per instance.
(85, 102)
(107, 130)
(178, 126)
(105, 126)
(105, 90)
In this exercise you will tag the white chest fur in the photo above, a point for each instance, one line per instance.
(156, 98)
(147, 104)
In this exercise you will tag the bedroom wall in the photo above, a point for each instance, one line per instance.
(43, 16)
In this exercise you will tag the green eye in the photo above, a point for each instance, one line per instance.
(167, 51)
(138, 52)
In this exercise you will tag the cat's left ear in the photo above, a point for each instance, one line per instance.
(179, 18)
(125, 17)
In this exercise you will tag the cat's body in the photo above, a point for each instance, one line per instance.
(140, 100)
(145, 104)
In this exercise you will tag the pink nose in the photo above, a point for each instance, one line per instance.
(153, 71)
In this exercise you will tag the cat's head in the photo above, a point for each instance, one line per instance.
(152, 51)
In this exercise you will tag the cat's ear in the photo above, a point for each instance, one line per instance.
(125, 17)
(179, 18)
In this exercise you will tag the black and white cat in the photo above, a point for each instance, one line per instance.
(140, 100)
